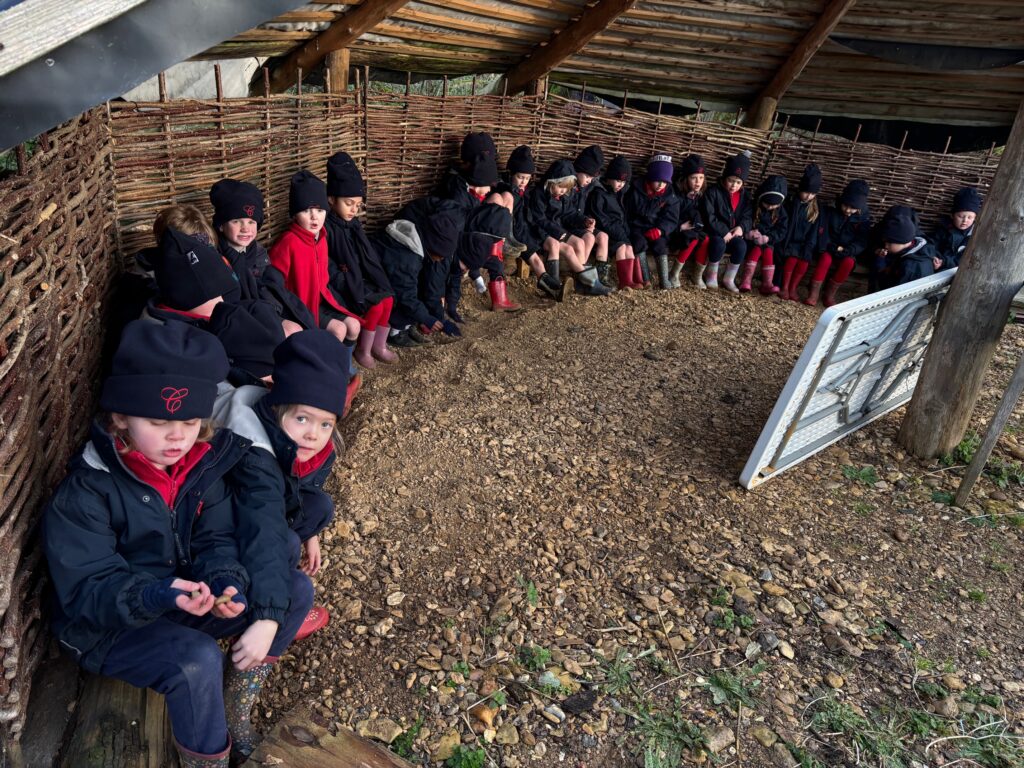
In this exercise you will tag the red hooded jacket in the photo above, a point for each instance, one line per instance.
(302, 259)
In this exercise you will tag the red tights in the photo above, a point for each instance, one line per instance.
(378, 314)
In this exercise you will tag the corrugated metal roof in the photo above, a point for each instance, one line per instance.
(718, 52)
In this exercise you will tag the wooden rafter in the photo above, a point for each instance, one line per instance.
(594, 19)
(342, 33)
(763, 109)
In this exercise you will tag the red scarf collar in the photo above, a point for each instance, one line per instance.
(303, 468)
(734, 198)
(182, 312)
(650, 190)
(167, 483)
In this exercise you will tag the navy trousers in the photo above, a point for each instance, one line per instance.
(177, 655)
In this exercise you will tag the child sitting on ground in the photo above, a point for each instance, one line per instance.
(652, 209)
(906, 254)
(144, 584)
(801, 241)
(549, 205)
(604, 205)
(300, 254)
(953, 233)
(237, 218)
(359, 280)
(689, 237)
(728, 216)
(770, 226)
(587, 165)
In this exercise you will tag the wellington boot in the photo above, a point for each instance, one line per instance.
(624, 274)
(768, 286)
(645, 269)
(711, 275)
(828, 297)
(603, 268)
(380, 345)
(729, 278)
(812, 295)
(189, 759)
(663, 272)
(674, 273)
(588, 284)
(551, 287)
(698, 275)
(364, 350)
(553, 267)
(241, 689)
(499, 297)
(354, 385)
(747, 276)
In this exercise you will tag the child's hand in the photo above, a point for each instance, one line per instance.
(254, 644)
(685, 226)
(227, 609)
(762, 240)
(881, 253)
(289, 327)
(936, 263)
(754, 235)
(728, 236)
(590, 223)
(311, 556)
(198, 601)
(736, 232)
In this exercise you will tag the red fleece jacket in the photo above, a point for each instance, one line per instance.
(302, 259)
(168, 483)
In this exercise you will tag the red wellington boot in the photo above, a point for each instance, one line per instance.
(354, 385)
(317, 618)
(499, 297)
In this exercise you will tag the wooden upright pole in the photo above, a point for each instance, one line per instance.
(337, 64)
(973, 314)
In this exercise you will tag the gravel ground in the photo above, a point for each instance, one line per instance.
(541, 554)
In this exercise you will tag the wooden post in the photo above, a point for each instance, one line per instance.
(973, 314)
(337, 70)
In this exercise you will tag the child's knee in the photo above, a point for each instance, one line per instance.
(200, 660)
(351, 327)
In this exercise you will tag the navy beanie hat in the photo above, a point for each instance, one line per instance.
(773, 190)
(490, 219)
(343, 177)
(691, 164)
(439, 234)
(189, 272)
(738, 166)
(164, 371)
(249, 331)
(589, 161)
(659, 168)
(311, 368)
(618, 169)
(855, 195)
(474, 144)
(811, 180)
(967, 199)
(521, 160)
(306, 191)
(898, 229)
(481, 171)
(233, 199)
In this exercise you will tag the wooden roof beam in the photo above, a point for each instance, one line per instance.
(762, 112)
(563, 44)
(342, 33)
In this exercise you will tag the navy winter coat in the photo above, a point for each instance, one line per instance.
(605, 207)
(575, 218)
(646, 212)
(107, 536)
(950, 243)
(773, 224)
(801, 239)
(913, 263)
(521, 229)
(719, 216)
(356, 273)
(258, 280)
(851, 233)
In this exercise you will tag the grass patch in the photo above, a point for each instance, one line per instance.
(618, 673)
(736, 689)
(465, 757)
(534, 657)
(942, 497)
(976, 595)
(402, 746)
(667, 736)
(530, 590)
(964, 451)
(727, 619)
(866, 474)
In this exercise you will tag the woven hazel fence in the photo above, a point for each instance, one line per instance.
(56, 225)
(93, 187)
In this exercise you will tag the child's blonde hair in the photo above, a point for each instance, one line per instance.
(566, 183)
(187, 219)
(206, 431)
(337, 441)
(812, 209)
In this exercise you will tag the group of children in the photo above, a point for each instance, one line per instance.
(193, 512)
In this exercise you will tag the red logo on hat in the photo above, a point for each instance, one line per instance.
(173, 396)
(249, 210)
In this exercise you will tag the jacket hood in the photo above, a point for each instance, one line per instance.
(560, 170)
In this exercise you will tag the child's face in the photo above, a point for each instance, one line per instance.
(806, 197)
(772, 207)
(206, 310)
(480, 192)
(964, 219)
(559, 191)
(162, 442)
(520, 180)
(848, 210)
(657, 186)
(616, 185)
(732, 184)
(583, 179)
(346, 208)
(311, 219)
(695, 182)
(239, 232)
(896, 247)
(311, 429)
